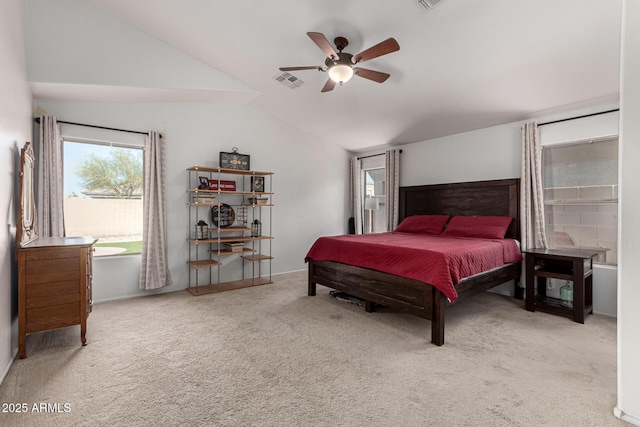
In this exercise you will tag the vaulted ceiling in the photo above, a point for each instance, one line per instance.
(463, 65)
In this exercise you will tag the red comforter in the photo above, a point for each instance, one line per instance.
(436, 260)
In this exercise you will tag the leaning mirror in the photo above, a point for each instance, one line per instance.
(27, 207)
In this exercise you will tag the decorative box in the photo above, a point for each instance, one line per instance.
(234, 246)
(258, 200)
(204, 199)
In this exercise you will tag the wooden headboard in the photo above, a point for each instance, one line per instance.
(497, 197)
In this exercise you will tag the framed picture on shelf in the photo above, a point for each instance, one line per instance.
(257, 184)
(234, 160)
(204, 183)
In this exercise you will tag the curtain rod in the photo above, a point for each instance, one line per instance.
(579, 117)
(37, 120)
(373, 155)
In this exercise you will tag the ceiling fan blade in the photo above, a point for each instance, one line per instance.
(313, 67)
(323, 43)
(376, 76)
(382, 48)
(329, 85)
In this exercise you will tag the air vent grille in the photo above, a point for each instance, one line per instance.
(428, 4)
(289, 80)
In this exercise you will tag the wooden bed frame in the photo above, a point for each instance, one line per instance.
(498, 197)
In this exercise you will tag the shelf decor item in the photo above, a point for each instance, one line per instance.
(258, 200)
(222, 216)
(202, 230)
(566, 295)
(204, 183)
(222, 185)
(234, 246)
(257, 184)
(204, 199)
(234, 160)
(256, 228)
(241, 215)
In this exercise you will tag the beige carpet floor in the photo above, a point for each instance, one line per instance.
(272, 356)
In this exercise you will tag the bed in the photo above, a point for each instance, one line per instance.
(407, 294)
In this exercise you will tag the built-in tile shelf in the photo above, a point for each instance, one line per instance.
(581, 195)
(579, 202)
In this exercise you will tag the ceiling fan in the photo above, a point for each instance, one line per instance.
(341, 65)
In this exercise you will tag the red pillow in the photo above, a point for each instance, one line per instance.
(423, 224)
(483, 227)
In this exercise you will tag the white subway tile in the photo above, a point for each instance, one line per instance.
(607, 207)
(600, 219)
(579, 232)
(608, 234)
(566, 218)
(581, 208)
(561, 194)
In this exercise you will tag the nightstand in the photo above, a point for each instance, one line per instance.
(564, 264)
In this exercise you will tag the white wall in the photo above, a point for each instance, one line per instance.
(71, 42)
(111, 56)
(494, 153)
(310, 177)
(628, 406)
(491, 153)
(15, 130)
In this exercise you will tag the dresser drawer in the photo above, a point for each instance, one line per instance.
(52, 317)
(52, 270)
(51, 253)
(43, 294)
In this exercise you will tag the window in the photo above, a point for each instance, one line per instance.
(580, 182)
(103, 186)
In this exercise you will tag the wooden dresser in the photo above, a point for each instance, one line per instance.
(54, 286)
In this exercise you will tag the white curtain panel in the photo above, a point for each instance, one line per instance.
(392, 187)
(154, 271)
(50, 184)
(356, 193)
(531, 195)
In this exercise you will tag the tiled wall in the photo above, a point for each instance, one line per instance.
(584, 217)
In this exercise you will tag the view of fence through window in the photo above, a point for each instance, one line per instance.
(103, 188)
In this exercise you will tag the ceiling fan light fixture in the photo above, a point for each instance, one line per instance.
(341, 66)
(340, 73)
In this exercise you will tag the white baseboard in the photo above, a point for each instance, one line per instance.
(287, 272)
(625, 417)
(5, 371)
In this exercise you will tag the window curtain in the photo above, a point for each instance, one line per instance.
(392, 187)
(355, 198)
(154, 271)
(50, 184)
(532, 224)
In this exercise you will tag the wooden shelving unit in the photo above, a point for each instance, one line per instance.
(208, 254)
(570, 265)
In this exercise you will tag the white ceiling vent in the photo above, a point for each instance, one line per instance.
(289, 80)
(428, 4)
